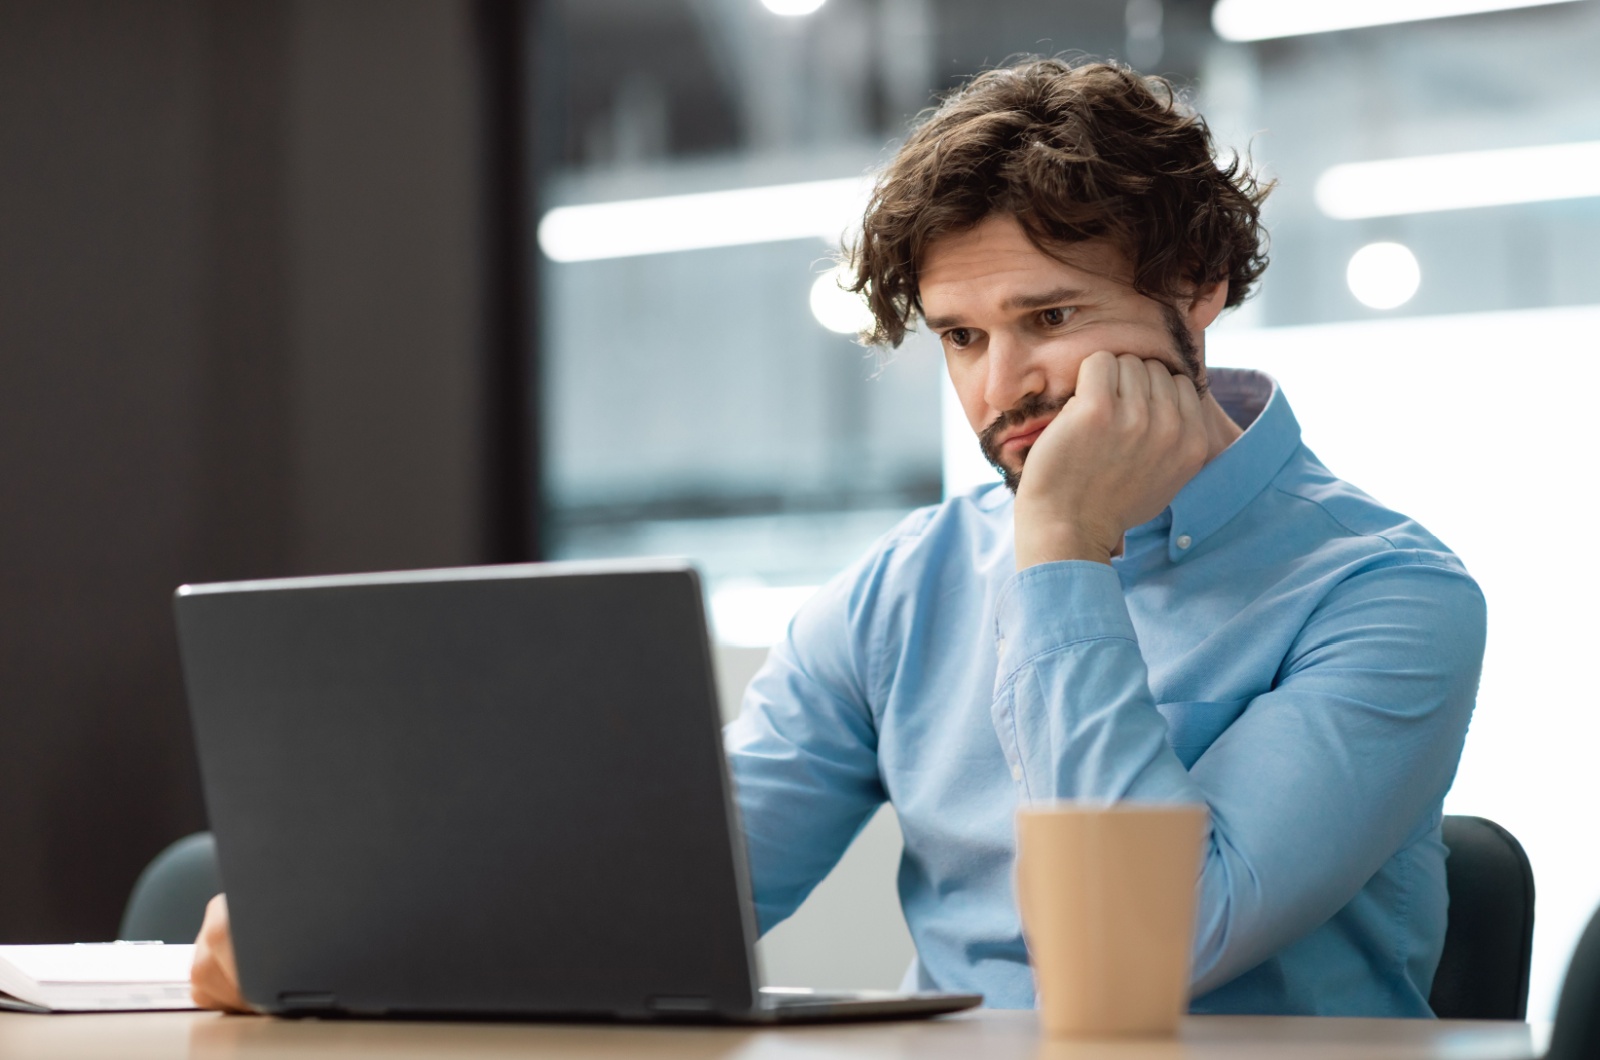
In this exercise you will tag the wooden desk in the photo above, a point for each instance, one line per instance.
(985, 1035)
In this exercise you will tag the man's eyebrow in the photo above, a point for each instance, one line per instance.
(1042, 300)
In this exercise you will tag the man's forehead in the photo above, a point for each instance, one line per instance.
(996, 258)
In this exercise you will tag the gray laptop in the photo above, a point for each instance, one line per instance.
(494, 791)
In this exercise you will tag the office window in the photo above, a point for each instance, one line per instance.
(1431, 307)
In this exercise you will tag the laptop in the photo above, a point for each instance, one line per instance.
(481, 792)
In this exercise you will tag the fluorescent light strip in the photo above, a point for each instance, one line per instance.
(821, 209)
(1245, 20)
(1460, 181)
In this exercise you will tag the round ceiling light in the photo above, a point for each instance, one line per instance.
(1383, 275)
(836, 308)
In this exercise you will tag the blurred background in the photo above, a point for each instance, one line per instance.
(319, 285)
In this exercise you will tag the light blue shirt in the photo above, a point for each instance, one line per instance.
(1276, 644)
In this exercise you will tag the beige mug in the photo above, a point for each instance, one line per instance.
(1107, 894)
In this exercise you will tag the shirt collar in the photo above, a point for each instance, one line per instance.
(1240, 472)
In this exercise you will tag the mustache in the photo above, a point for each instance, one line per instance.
(1032, 407)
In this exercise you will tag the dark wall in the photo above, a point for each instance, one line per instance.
(242, 333)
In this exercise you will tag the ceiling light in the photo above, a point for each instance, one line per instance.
(792, 8)
(1460, 181)
(1383, 275)
(820, 209)
(837, 309)
(1243, 20)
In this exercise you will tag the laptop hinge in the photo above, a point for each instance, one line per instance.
(307, 1001)
(680, 1003)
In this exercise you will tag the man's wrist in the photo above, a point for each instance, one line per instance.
(1050, 530)
(1035, 547)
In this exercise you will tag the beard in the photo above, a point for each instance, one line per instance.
(989, 438)
(1035, 405)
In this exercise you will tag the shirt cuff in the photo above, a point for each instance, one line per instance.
(1051, 605)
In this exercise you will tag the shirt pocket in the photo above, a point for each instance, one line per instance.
(1192, 727)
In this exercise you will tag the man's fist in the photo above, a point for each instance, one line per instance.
(214, 977)
(1127, 441)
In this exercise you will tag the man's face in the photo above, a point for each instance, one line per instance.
(1016, 323)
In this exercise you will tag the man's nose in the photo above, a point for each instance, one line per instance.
(1013, 373)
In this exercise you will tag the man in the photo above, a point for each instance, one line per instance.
(1169, 600)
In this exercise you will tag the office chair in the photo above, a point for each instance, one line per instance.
(169, 899)
(1576, 1035)
(1488, 940)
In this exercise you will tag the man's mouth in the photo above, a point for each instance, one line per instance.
(1023, 439)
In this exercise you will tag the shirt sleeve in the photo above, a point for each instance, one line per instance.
(1311, 790)
(804, 753)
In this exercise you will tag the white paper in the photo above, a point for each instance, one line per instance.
(97, 977)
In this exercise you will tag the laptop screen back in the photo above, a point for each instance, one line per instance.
(490, 790)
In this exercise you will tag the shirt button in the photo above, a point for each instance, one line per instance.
(1016, 772)
(1184, 540)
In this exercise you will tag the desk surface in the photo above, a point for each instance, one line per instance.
(998, 1035)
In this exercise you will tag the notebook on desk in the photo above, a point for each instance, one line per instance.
(492, 791)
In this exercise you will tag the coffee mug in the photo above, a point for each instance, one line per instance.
(1107, 894)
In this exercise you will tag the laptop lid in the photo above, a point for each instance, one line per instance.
(494, 790)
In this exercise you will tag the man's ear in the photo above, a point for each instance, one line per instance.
(1209, 301)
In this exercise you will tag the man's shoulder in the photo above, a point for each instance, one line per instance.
(1346, 511)
(959, 538)
(978, 518)
(957, 543)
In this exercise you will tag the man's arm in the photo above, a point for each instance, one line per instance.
(1319, 781)
(803, 751)
(1311, 790)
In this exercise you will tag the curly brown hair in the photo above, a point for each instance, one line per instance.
(1074, 151)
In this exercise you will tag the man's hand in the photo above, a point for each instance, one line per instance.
(1115, 455)
(214, 977)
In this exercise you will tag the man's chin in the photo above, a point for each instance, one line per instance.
(991, 452)
(1012, 479)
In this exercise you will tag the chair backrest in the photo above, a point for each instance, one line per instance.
(1488, 943)
(169, 899)
(1576, 1035)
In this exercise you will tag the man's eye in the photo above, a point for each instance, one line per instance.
(958, 337)
(1053, 317)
